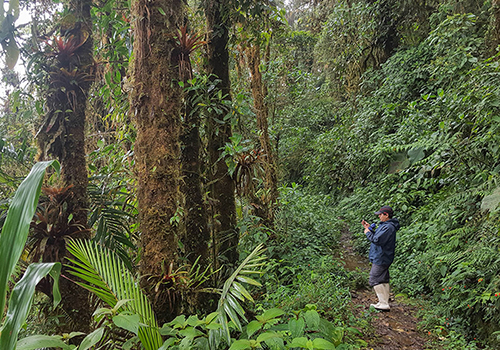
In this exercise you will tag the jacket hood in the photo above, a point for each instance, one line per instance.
(394, 222)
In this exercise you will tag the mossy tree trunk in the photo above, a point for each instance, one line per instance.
(196, 239)
(259, 92)
(196, 234)
(495, 27)
(219, 131)
(62, 136)
(156, 103)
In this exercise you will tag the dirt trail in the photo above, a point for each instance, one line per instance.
(394, 330)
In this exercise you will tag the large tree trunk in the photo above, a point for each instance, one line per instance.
(222, 188)
(63, 136)
(156, 106)
(259, 92)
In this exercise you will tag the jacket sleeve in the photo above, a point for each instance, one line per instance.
(381, 235)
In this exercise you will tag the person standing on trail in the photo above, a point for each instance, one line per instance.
(383, 244)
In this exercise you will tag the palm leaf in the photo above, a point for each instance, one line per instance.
(229, 307)
(108, 277)
(111, 215)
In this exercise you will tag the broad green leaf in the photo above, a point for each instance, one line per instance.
(272, 313)
(241, 344)
(16, 226)
(267, 335)
(212, 316)
(91, 339)
(190, 332)
(167, 344)
(178, 322)
(194, 321)
(166, 330)
(300, 342)
(42, 341)
(296, 327)
(275, 344)
(443, 269)
(185, 344)
(214, 325)
(21, 299)
(253, 327)
(312, 319)
(416, 154)
(320, 343)
(128, 322)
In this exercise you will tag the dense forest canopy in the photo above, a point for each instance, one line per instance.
(170, 143)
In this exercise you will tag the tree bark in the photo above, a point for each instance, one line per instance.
(63, 136)
(156, 106)
(495, 28)
(223, 187)
(197, 236)
(259, 92)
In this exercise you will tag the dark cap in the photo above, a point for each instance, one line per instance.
(385, 209)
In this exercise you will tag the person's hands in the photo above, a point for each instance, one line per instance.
(365, 224)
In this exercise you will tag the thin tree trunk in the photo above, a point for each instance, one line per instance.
(223, 187)
(197, 236)
(259, 92)
(156, 105)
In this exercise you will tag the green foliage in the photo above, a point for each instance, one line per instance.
(107, 276)
(421, 136)
(12, 241)
(16, 227)
(21, 299)
(273, 328)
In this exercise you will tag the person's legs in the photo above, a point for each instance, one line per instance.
(379, 280)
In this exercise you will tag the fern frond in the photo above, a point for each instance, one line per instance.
(108, 277)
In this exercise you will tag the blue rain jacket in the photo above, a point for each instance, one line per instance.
(383, 242)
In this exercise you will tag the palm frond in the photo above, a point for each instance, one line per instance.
(233, 292)
(108, 277)
(111, 216)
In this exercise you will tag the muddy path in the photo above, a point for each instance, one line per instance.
(394, 330)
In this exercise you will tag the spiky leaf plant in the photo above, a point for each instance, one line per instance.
(108, 277)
